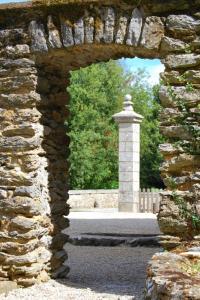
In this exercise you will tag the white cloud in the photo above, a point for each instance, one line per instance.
(154, 73)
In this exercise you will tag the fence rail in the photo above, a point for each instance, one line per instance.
(149, 201)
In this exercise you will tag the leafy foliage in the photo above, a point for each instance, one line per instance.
(97, 93)
(146, 102)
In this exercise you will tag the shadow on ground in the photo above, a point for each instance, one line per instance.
(110, 270)
(115, 271)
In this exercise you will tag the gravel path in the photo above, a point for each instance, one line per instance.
(96, 273)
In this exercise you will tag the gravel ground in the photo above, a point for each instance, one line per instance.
(116, 273)
(96, 273)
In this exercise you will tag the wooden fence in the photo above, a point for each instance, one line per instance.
(149, 201)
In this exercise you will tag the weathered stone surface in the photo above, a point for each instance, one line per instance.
(16, 63)
(17, 51)
(169, 116)
(39, 255)
(121, 30)
(190, 98)
(10, 36)
(23, 223)
(19, 143)
(182, 25)
(24, 129)
(176, 132)
(99, 29)
(79, 32)
(89, 30)
(28, 271)
(153, 32)
(135, 28)
(37, 33)
(169, 242)
(192, 76)
(173, 45)
(172, 77)
(18, 248)
(109, 19)
(28, 191)
(170, 220)
(54, 35)
(18, 84)
(23, 205)
(182, 61)
(180, 162)
(168, 278)
(169, 149)
(67, 34)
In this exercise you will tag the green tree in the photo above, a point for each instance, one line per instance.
(146, 102)
(96, 94)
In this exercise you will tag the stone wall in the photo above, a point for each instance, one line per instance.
(38, 48)
(93, 199)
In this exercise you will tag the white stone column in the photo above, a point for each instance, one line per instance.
(129, 157)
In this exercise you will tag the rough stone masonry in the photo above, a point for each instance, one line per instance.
(40, 42)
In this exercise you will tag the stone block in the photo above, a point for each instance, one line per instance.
(125, 207)
(125, 136)
(127, 127)
(125, 157)
(99, 30)
(79, 32)
(23, 205)
(182, 25)
(179, 61)
(38, 40)
(125, 166)
(135, 28)
(173, 45)
(89, 30)
(109, 20)
(121, 30)
(54, 35)
(10, 36)
(126, 176)
(176, 132)
(18, 84)
(191, 98)
(67, 34)
(153, 33)
(20, 100)
(125, 186)
(17, 51)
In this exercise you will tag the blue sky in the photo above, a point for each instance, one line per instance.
(152, 66)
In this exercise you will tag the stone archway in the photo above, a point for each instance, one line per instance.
(39, 45)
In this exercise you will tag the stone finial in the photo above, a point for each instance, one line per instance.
(128, 105)
(128, 115)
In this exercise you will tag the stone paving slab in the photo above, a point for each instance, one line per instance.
(110, 221)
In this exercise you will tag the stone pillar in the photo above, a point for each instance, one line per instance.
(33, 166)
(129, 157)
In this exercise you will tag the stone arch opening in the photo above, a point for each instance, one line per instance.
(38, 48)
